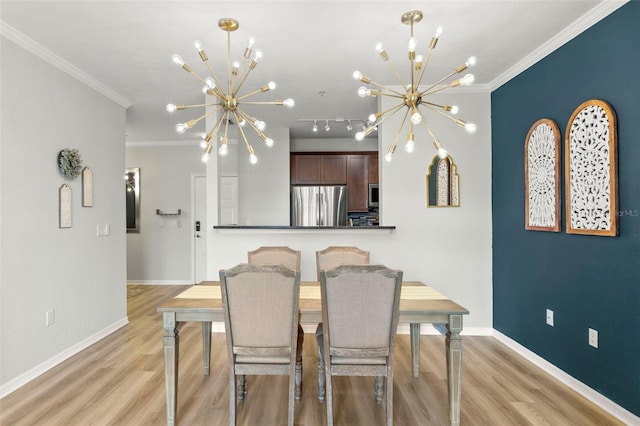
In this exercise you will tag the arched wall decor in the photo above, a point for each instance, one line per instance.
(542, 176)
(591, 164)
(443, 183)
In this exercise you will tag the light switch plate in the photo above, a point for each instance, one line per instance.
(593, 337)
(550, 317)
(103, 230)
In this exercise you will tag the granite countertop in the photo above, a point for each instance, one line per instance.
(304, 227)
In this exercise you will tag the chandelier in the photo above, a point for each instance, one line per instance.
(413, 100)
(226, 100)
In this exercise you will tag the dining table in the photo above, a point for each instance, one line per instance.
(419, 304)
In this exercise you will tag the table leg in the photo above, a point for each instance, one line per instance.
(206, 346)
(415, 348)
(454, 366)
(170, 343)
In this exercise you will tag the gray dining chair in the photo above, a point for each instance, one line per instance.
(327, 259)
(261, 325)
(278, 255)
(360, 306)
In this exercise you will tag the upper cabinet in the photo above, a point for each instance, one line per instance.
(373, 167)
(357, 183)
(318, 169)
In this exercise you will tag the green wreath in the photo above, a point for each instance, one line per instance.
(70, 163)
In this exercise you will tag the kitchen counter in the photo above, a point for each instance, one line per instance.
(299, 229)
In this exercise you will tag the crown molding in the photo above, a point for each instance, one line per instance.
(10, 33)
(180, 143)
(586, 21)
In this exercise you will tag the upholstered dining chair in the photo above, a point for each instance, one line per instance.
(261, 325)
(326, 259)
(279, 255)
(360, 316)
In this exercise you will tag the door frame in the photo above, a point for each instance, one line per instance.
(192, 224)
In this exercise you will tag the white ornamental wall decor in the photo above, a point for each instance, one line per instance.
(591, 166)
(542, 176)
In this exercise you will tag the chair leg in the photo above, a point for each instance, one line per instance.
(329, 398)
(390, 397)
(232, 399)
(299, 378)
(321, 378)
(378, 388)
(242, 387)
(292, 390)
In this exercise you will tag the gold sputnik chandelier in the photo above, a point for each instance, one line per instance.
(227, 100)
(414, 99)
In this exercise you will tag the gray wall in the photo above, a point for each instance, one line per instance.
(72, 271)
(161, 252)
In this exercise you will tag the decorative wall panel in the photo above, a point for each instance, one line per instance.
(542, 176)
(591, 170)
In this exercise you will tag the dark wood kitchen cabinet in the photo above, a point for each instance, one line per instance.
(319, 169)
(357, 183)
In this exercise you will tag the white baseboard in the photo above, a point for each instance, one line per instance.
(45, 366)
(160, 282)
(600, 400)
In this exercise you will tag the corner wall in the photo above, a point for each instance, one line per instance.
(43, 267)
(588, 281)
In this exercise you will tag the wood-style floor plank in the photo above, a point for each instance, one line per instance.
(120, 381)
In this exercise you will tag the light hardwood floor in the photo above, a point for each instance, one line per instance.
(120, 381)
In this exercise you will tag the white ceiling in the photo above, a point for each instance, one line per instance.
(310, 47)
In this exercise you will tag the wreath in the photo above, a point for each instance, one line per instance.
(70, 163)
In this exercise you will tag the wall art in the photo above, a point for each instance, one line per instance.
(87, 187)
(542, 176)
(64, 206)
(443, 183)
(591, 187)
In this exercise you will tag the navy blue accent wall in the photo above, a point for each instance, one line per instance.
(588, 281)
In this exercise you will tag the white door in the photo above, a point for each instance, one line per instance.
(199, 227)
(228, 200)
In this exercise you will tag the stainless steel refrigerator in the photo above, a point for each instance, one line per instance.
(313, 205)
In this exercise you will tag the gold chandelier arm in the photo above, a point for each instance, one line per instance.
(392, 147)
(181, 107)
(448, 76)
(400, 94)
(395, 71)
(193, 122)
(264, 88)
(425, 63)
(244, 136)
(381, 116)
(435, 141)
(237, 88)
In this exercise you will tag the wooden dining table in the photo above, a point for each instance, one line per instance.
(419, 304)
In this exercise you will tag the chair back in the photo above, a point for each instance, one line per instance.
(334, 256)
(261, 310)
(275, 255)
(360, 311)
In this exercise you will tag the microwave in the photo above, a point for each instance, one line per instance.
(374, 195)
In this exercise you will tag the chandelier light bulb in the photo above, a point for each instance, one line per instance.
(363, 92)
(210, 82)
(442, 153)
(257, 55)
(372, 118)
(416, 118)
(438, 32)
(253, 159)
(357, 75)
(410, 146)
(205, 157)
(198, 45)
(177, 59)
(181, 128)
(271, 85)
(268, 142)
(171, 107)
(289, 103)
(203, 144)
(379, 48)
(223, 150)
(360, 136)
(388, 157)
(467, 80)
(454, 109)
(470, 127)
(242, 122)
(412, 44)
(260, 125)
(471, 61)
(252, 41)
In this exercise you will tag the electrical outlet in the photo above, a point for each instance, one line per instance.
(550, 317)
(103, 230)
(593, 337)
(50, 317)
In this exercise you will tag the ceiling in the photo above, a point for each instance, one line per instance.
(311, 49)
